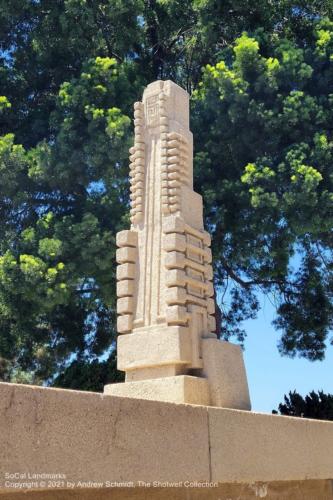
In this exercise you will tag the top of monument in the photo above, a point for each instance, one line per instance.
(176, 101)
(166, 85)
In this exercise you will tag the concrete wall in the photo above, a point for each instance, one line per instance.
(285, 490)
(94, 437)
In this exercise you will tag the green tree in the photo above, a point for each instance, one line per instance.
(315, 405)
(63, 202)
(70, 71)
(264, 163)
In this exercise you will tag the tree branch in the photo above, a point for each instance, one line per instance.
(255, 282)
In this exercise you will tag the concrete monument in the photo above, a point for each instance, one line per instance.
(167, 345)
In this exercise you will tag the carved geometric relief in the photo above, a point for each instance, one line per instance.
(152, 111)
(193, 286)
(192, 253)
(164, 272)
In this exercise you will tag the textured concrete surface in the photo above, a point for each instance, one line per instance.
(178, 389)
(94, 437)
(249, 446)
(225, 371)
(277, 490)
(148, 348)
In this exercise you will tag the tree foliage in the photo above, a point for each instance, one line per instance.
(63, 202)
(270, 141)
(315, 405)
(260, 75)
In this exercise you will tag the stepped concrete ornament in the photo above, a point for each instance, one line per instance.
(167, 345)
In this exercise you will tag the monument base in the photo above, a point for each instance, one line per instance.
(225, 371)
(178, 389)
(221, 382)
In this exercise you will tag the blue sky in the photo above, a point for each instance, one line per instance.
(270, 375)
